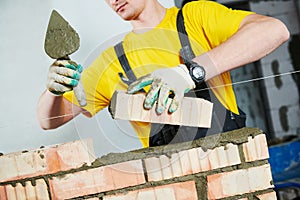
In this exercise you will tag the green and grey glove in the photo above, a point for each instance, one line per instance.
(63, 76)
(164, 81)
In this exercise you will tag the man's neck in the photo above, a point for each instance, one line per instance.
(149, 18)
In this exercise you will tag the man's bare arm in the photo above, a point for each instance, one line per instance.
(54, 111)
(257, 36)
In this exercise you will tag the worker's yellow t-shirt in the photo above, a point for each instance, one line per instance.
(207, 23)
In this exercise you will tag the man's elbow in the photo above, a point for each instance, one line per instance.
(48, 124)
(282, 31)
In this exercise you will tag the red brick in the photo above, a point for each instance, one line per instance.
(3, 193)
(256, 148)
(224, 156)
(52, 159)
(185, 162)
(267, 196)
(16, 165)
(191, 161)
(181, 191)
(195, 162)
(239, 182)
(203, 158)
(41, 189)
(69, 155)
(175, 165)
(166, 167)
(193, 111)
(27, 192)
(97, 180)
(30, 191)
(232, 153)
(10, 192)
(20, 191)
(153, 169)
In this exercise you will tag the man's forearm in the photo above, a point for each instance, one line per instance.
(54, 111)
(257, 37)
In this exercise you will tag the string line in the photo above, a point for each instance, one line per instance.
(230, 84)
(250, 80)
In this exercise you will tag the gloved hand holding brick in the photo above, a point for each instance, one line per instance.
(164, 81)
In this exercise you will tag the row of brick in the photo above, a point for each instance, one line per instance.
(219, 185)
(97, 180)
(43, 161)
(27, 191)
(75, 154)
(140, 172)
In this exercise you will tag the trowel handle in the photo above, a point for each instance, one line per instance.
(80, 94)
(78, 90)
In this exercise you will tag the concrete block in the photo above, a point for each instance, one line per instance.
(291, 131)
(286, 118)
(193, 111)
(287, 95)
(290, 20)
(272, 8)
(277, 73)
(286, 11)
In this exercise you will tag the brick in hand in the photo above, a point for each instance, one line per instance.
(195, 112)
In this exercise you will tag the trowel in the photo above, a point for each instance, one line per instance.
(61, 41)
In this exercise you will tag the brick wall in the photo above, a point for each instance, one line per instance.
(231, 165)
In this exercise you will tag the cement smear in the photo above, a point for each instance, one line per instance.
(61, 39)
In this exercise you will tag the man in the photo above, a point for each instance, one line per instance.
(221, 39)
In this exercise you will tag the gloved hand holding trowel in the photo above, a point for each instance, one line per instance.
(64, 75)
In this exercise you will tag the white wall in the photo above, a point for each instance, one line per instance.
(24, 67)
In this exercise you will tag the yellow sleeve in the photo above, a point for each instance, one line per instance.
(99, 80)
(215, 20)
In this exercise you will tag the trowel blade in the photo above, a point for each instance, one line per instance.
(61, 39)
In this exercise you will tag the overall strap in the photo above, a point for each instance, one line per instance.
(124, 63)
(186, 51)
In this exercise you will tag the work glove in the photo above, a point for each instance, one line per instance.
(63, 76)
(163, 82)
